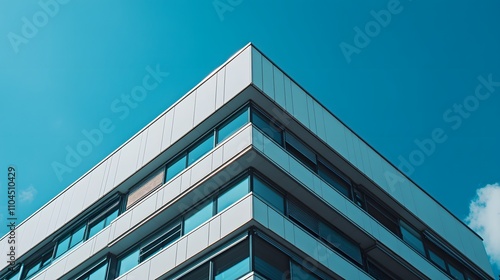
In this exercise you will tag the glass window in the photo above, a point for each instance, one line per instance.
(300, 151)
(231, 195)
(198, 216)
(269, 261)
(103, 222)
(232, 125)
(437, 260)
(267, 126)
(268, 194)
(98, 273)
(160, 241)
(303, 217)
(77, 236)
(97, 227)
(381, 214)
(412, 237)
(200, 273)
(299, 273)
(338, 240)
(128, 262)
(62, 246)
(359, 199)
(334, 180)
(32, 269)
(200, 149)
(15, 276)
(376, 271)
(175, 167)
(232, 264)
(457, 274)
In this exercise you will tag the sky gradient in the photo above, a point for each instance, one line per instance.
(418, 80)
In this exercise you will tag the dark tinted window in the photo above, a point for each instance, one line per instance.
(230, 127)
(232, 264)
(269, 195)
(233, 194)
(300, 151)
(267, 126)
(200, 273)
(339, 241)
(198, 216)
(200, 149)
(160, 241)
(269, 261)
(334, 180)
(175, 167)
(382, 215)
(300, 273)
(412, 237)
(303, 217)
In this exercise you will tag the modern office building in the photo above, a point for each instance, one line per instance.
(247, 176)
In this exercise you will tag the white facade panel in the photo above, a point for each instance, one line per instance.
(335, 134)
(279, 87)
(311, 114)
(197, 240)
(162, 262)
(205, 100)
(122, 224)
(167, 129)
(154, 139)
(140, 272)
(97, 178)
(320, 123)
(300, 104)
(288, 94)
(142, 149)
(235, 216)
(257, 69)
(238, 74)
(183, 117)
(66, 198)
(128, 159)
(268, 77)
(113, 169)
(214, 233)
(219, 94)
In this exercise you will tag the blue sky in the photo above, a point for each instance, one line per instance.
(64, 68)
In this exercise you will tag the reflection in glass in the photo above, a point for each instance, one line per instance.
(233, 194)
(175, 167)
(232, 125)
(198, 216)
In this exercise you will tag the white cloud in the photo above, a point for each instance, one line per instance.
(28, 194)
(484, 218)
